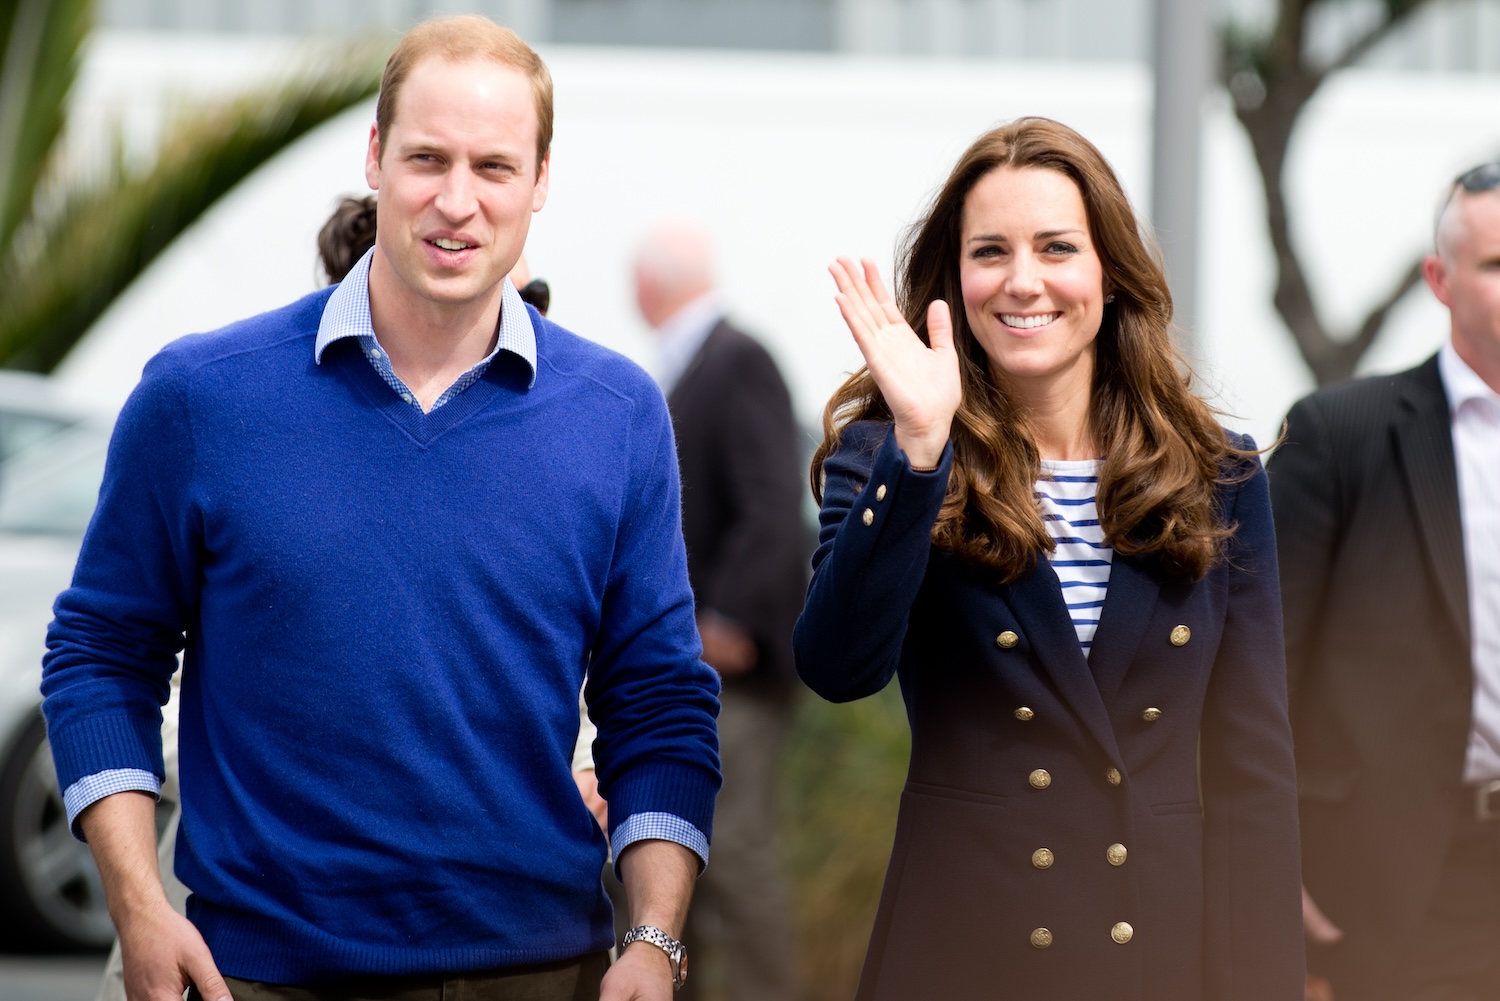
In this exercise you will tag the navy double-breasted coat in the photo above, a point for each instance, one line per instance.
(1121, 826)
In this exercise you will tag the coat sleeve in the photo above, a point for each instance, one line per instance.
(1252, 922)
(874, 538)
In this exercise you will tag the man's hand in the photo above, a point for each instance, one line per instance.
(727, 648)
(642, 973)
(1320, 931)
(162, 952)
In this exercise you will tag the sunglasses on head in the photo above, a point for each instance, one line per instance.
(1484, 177)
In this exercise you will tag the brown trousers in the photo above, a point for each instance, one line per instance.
(569, 980)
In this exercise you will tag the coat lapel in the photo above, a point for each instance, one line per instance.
(1128, 604)
(1424, 447)
(1036, 600)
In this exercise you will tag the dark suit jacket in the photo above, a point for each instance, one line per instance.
(997, 687)
(1377, 636)
(742, 483)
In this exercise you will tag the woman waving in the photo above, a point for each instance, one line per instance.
(1030, 520)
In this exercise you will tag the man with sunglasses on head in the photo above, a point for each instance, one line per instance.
(1387, 503)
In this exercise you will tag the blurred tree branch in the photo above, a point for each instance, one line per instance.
(73, 239)
(1272, 79)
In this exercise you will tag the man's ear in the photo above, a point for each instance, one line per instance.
(1436, 274)
(543, 176)
(372, 159)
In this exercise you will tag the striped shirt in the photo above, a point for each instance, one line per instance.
(1066, 492)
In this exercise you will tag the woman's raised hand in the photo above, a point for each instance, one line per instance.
(920, 383)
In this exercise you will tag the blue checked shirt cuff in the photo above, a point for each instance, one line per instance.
(659, 827)
(92, 788)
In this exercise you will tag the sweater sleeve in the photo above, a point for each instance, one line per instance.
(112, 645)
(874, 537)
(1252, 927)
(651, 697)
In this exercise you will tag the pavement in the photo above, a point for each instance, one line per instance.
(50, 978)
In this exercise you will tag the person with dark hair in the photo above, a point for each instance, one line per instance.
(392, 527)
(1031, 520)
(345, 237)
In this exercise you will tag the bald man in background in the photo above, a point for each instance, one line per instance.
(1386, 495)
(737, 446)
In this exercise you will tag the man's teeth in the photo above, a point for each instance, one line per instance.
(447, 244)
(1027, 322)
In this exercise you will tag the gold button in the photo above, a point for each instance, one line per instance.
(1180, 635)
(1041, 938)
(1042, 858)
(1041, 779)
(1006, 640)
(1122, 932)
(1112, 776)
(1025, 713)
(868, 517)
(880, 492)
(1151, 715)
(1116, 854)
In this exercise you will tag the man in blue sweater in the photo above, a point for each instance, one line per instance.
(392, 527)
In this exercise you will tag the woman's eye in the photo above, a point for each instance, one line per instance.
(1058, 247)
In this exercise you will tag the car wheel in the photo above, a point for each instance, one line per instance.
(50, 890)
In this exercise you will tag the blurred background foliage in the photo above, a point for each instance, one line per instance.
(73, 236)
(843, 773)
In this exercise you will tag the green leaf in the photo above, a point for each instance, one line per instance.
(40, 45)
(64, 268)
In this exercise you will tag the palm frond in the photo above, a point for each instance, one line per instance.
(40, 46)
(63, 271)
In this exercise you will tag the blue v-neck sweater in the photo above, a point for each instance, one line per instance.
(386, 618)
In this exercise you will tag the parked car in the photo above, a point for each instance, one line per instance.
(51, 462)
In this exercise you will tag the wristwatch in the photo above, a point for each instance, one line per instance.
(675, 950)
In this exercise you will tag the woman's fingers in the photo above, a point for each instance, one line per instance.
(857, 304)
(883, 299)
(939, 326)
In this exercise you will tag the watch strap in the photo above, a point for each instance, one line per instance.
(675, 950)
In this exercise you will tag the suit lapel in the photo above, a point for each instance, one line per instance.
(682, 387)
(1128, 604)
(1424, 448)
(1037, 603)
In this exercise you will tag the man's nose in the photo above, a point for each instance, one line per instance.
(455, 199)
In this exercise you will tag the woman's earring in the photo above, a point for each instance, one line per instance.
(1109, 298)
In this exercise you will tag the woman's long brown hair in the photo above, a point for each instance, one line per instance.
(1164, 450)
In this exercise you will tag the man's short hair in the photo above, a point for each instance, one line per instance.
(458, 39)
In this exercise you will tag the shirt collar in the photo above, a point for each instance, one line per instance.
(347, 314)
(683, 334)
(1460, 382)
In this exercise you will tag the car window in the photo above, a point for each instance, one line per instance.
(19, 431)
(50, 487)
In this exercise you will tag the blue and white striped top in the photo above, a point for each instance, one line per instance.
(1066, 492)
